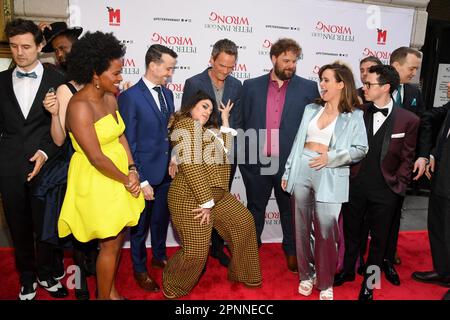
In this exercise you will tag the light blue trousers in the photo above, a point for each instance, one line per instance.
(316, 227)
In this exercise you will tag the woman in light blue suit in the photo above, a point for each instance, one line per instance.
(332, 135)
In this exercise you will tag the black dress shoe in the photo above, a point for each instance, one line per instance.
(390, 273)
(365, 294)
(55, 288)
(224, 260)
(82, 293)
(431, 277)
(28, 291)
(343, 277)
(446, 296)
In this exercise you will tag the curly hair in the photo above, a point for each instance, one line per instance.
(91, 54)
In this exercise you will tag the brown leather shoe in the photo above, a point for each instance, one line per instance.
(158, 264)
(144, 281)
(292, 263)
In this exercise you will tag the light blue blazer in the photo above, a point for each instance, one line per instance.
(348, 145)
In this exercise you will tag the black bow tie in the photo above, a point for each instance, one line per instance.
(373, 109)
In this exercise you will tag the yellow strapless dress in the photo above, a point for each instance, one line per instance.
(95, 206)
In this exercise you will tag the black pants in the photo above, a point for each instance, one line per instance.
(24, 215)
(439, 233)
(377, 208)
(258, 190)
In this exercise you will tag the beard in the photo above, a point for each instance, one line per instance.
(283, 74)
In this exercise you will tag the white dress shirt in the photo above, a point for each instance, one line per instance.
(150, 85)
(379, 118)
(26, 88)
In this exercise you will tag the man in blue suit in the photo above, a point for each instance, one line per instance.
(218, 82)
(146, 108)
(272, 107)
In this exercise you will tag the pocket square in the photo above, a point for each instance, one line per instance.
(414, 102)
(398, 135)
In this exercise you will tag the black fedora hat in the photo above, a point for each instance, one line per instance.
(58, 28)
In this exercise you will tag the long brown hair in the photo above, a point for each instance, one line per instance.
(342, 73)
(185, 111)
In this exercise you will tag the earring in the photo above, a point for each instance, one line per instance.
(97, 86)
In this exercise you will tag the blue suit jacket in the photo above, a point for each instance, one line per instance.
(348, 145)
(252, 106)
(146, 131)
(202, 81)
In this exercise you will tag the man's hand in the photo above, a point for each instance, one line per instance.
(148, 192)
(44, 25)
(430, 168)
(39, 160)
(419, 166)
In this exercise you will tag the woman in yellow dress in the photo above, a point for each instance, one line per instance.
(103, 190)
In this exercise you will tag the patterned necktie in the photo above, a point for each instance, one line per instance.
(162, 103)
(21, 75)
(398, 96)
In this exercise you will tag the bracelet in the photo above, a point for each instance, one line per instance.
(132, 166)
(135, 171)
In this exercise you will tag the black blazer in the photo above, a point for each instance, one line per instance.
(412, 99)
(399, 144)
(20, 138)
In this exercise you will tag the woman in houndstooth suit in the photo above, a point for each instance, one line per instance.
(199, 200)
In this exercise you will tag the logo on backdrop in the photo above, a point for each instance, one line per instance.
(272, 217)
(384, 56)
(333, 32)
(240, 71)
(179, 44)
(177, 89)
(271, 26)
(164, 19)
(220, 22)
(113, 16)
(381, 36)
(129, 66)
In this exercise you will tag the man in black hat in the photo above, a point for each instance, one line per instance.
(59, 39)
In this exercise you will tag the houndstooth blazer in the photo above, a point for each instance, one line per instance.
(202, 159)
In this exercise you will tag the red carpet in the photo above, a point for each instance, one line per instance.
(278, 283)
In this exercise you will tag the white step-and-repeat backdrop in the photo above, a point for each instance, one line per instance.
(326, 30)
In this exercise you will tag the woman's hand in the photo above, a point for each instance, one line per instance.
(173, 168)
(133, 185)
(203, 213)
(51, 103)
(283, 184)
(319, 162)
(225, 111)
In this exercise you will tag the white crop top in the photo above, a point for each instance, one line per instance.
(314, 134)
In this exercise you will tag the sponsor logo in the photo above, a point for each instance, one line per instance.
(179, 44)
(381, 36)
(113, 16)
(126, 42)
(164, 19)
(221, 22)
(333, 32)
(240, 71)
(333, 54)
(271, 26)
(384, 56)
(129, 66)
